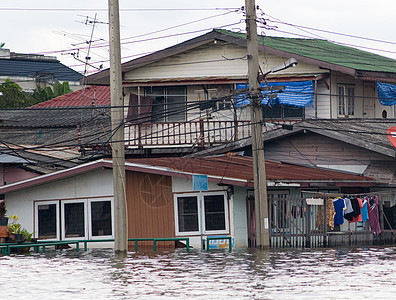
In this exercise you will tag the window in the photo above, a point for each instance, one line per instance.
(282, 111)
(101, 223)
(47, 222)
(169, 103)
(214, 214)
(188, 214)
(346, 100)
(82, 219)
(74, 219)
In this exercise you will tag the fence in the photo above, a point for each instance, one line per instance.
(201, 133)
(296, 223)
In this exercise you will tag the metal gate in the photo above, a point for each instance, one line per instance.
(294, 223)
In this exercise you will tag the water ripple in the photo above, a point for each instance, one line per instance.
(363, 273)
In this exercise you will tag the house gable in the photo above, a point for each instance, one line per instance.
(213, 61)
(320, 53)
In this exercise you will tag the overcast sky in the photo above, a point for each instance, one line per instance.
(54, 27)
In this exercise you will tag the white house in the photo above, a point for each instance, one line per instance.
(162, 202)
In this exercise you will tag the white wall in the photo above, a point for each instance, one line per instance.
(92, 184)
(213, 59)
(236, 205)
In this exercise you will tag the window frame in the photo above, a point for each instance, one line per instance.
(63, 229)
(164, 95)
(60, 217)
(345, 101)
(36, 218)
(98, 237)
(201, 216)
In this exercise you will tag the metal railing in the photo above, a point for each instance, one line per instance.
(201, 133)
(6, 248)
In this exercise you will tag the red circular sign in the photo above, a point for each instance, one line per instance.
(392, 135)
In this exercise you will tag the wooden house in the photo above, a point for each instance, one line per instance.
(77, 203)
(186, 97)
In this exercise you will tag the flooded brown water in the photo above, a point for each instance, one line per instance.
(343, 273)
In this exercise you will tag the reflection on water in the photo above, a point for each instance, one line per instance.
(358, 273)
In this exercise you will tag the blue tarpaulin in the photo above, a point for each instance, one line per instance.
(386, 93)
(295, 93)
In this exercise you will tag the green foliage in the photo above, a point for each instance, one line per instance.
(12, 95)
(27, 236)
(14, 227)
(43, 94)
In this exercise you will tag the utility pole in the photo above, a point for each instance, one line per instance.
(256, 116)
(117, 127)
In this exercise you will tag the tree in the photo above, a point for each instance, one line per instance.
(43, 94)
(12, 96)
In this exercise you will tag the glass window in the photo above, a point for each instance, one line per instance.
(47, 221)
(214, 212)
(346, 100)
(101, 223)
(176, 104)
(282, 111)
(68, 219)
(74, 220)
(187, 208)
(169, 103)
(351, 101)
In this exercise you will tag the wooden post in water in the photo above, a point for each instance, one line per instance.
(117, 127)
(256, 114)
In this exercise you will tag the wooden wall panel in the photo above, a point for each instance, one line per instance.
(316, 149)
(150, 206)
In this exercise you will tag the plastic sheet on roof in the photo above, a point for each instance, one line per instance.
(386, 93)
(295, 93)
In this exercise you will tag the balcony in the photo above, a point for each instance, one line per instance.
(201, 133)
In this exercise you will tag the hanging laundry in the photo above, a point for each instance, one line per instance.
(339, 207)
(356, 210)
(348, 206)
(365, 211)
(374, 216)
(359, 217)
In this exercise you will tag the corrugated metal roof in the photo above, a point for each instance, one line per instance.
(52, 117)
(30, 68)
(236, 170)
(242, 167)
(89, 96)
(325, 51)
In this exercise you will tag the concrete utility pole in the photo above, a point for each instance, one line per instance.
(260, 181)
(117, 126)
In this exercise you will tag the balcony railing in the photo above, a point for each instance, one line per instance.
(201, 133)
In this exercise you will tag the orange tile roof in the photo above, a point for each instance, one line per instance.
(93, 95)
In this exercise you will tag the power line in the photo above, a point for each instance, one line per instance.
(331, 32)
(121, 9)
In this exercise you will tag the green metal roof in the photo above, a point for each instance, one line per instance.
(325, 51)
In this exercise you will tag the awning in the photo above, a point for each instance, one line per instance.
(298, 93)
(386, 93)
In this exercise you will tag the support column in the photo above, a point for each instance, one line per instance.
(260, 182)
(117, 127)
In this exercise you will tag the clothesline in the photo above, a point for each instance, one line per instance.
(332, 195)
